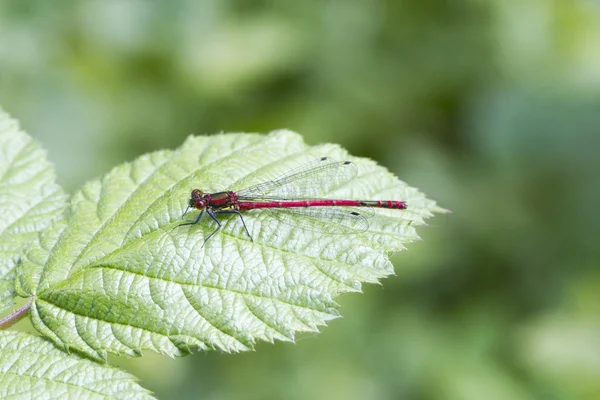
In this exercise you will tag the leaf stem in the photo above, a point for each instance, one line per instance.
(16, 315)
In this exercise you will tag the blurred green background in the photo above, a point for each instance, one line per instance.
(492, 107)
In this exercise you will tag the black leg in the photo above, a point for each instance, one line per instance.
(212, 215)
(241, 217)
(193, 223)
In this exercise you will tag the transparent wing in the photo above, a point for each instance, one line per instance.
(315, 179)
(331, 220)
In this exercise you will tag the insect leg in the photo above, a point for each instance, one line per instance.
(212, 215)
(195, 222)
(241, 217)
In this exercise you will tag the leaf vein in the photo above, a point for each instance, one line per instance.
(67, 384)
(204, 317)
(242, 293)
(108, 220)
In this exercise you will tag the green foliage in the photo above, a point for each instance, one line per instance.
(31, 367)
(29, 199)
(119, 275)
(489, 106)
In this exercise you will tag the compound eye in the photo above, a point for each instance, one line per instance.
(199, 204)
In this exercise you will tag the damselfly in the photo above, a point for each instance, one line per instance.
(294, 193)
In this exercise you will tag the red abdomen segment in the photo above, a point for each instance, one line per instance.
(393, 204)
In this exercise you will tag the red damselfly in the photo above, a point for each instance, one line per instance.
(296, 193)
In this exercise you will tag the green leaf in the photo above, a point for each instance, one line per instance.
(29, 199)
(121, 276)
(31, 367)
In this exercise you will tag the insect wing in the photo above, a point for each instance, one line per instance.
(312, 180)
(330, 220)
